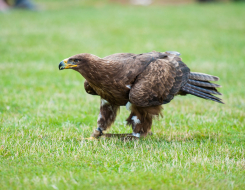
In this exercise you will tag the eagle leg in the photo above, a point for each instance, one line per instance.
(140, 119)
(141, 125)
(107, 116)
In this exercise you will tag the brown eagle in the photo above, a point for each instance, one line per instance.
(141, 82)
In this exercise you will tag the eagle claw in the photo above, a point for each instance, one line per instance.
(91, 138)
(129, 138)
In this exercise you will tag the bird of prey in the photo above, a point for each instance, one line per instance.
(141, 82)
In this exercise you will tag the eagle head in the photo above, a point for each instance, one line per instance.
(71, 62)
(76, 61)
(68, 64)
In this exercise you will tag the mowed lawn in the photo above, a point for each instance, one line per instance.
(45, 113)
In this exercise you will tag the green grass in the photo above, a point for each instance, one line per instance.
(45, 113)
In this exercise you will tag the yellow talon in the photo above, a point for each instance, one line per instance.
(91, 138)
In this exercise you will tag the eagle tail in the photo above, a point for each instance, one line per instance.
(199, 85)
(202, 77)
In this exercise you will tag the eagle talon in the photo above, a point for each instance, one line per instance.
(97, 133)
(91, 138)
(129, 138)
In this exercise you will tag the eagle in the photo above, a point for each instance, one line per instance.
(141, 82)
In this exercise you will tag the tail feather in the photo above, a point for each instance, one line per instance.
(203, 89)
(204, 84)
(198, 85)
(202, 95)
(202, 77)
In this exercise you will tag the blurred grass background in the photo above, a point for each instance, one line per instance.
(45, 113)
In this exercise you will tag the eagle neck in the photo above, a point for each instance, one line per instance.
(99, 71)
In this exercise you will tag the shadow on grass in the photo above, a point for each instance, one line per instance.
(196, 137)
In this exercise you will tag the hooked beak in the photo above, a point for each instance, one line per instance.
(65, 64)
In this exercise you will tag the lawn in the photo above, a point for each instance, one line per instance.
(45, 113)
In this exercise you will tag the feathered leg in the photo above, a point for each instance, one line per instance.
(141, 120)
(107, 116)
(141, 126)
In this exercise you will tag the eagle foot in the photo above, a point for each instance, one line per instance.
(91, 138)
(108, 135)
(129, 138)
(97, 133)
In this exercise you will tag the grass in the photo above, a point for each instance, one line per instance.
(45, 113)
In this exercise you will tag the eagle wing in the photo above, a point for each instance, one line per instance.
(159, 82)
(119, 56)
(128, 66)
(89, 88)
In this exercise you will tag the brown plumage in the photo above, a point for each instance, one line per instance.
(141, 82)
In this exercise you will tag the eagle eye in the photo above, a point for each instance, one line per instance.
(76, 60)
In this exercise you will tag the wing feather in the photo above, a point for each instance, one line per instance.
(89, 88)
(154, 84)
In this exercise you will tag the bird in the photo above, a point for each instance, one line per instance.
(141, 82)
